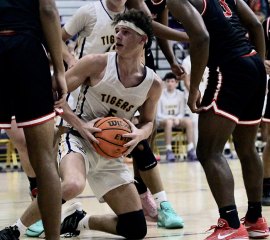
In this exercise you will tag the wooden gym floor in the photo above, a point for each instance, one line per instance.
(186, 188)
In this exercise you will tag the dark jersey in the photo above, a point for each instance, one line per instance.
(155, 9)
(21, 15)
(227, 36)
(266, 29)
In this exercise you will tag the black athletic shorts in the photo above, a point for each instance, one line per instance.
(25, 81)
(236, 90)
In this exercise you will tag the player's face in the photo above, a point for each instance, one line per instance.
(171, 84)
(127, 39)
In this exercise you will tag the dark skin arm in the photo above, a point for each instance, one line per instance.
(184, 11)
(253, 25)
(160, 30)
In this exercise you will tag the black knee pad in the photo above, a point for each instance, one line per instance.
(143, 156)
(132, 225)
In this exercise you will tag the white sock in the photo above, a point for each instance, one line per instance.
(20, 226)
(160, 197)
(84, 223)
(169, 147)
(190, 146)
(227, 146)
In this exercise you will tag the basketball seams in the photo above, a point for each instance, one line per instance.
(105, 154)
(108, 129)
(109, 141)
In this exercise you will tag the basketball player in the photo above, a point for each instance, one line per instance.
(92, 23)
(23, 26)
(233, 99)
(110, 180)
(266, 121)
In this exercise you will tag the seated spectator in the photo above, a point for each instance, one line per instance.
(171, 114)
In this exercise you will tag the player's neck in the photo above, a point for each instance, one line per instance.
(113, 7)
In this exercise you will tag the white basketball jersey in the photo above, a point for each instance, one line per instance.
(102, 37)
(171, 104)
(109, 97)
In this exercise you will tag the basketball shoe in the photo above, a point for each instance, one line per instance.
(258, 229)
(149, 206)
(10, 233)
(223, 231)
(170, 157)
(167, 217)
(71, 218)
(35, 230)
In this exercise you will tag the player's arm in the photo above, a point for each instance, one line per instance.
(149, 108)
(160, 30)
(166, 47)
(253, 25)
(67, 56)
(50, 22)
(183, 11)
(144, 128)
(87, 67)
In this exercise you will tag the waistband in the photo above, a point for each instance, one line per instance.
(7, 32)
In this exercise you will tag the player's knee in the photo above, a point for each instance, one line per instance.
(143, 156)
(72, 188)
(132, 225)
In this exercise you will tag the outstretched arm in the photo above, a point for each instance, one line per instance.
(191, 19)
(160, 30)
(50, 22)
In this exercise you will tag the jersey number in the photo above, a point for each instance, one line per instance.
(226, 9)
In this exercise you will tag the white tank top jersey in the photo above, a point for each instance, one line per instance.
(171, 104)
(110, 97)
(93, 22)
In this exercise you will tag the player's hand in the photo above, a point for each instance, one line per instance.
(194, 101)
(178, 70)
(136, 136)
(59, 89)
(87, 130)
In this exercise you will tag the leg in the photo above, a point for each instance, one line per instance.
(168, 125)
(17, 136)
(252, 169)
(39, 141)
(146, 163)
(129, 220)
(266, 168)
(212, 139)
(244, 141)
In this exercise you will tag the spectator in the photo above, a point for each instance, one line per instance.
(171, 114)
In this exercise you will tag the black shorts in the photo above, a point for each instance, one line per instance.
(236, 90)
(26, 86)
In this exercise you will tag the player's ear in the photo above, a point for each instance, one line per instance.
(144, 39)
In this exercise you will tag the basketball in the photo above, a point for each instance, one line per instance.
(110, 139)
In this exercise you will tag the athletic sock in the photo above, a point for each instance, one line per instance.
(160, 197)
(230, 214)
(141, 187)
(22, 229)
(254, 211)
(84, 223)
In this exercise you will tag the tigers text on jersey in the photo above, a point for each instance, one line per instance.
(109, 97)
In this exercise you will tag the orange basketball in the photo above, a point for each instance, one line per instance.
(110, 139)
